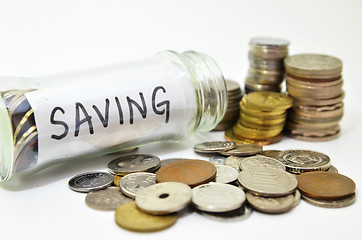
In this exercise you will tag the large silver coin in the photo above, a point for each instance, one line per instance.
(225, 174)
(134, 163)
(231, 216)
(106, 199)
(233, 162)
(212, 147)
(133, 183)
(217, 159)
(246, 149)
(267, 182)
(164, 198)
(298, 161)
(344, 202)
(217, 197)
(85, 182)
(271, 204)
(261, 161)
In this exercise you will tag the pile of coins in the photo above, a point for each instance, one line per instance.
(237, 179)
(25, 134)
(233, 108)
(315, 83)
(262, 118)
(266, 70)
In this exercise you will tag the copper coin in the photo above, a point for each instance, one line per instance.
(192, 172)
(325, 185)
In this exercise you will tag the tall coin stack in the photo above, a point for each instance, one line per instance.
(266, 70)
(315, 82)
(262, 118)
(233, 108)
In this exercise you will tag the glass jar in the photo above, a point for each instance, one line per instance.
(68, 116)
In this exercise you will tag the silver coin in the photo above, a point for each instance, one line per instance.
(85, 182)
(225, 174)
(271, 204)
(133, 183)
(298, 161)
(269, 41)
(233, 162)
(297, 197)
(332, 169)
(231, 216)
(212, 147)
(246, 149)
(217, 197)
(217, 159)
(345, 202)
(164, 198)
(170, 160)
(267, 182)
(106, 199)
(260, 161)
(134, 163)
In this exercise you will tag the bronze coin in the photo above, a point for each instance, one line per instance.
(192, 172)
(325, 185)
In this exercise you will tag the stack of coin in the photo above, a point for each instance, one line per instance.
(232, 112)
(315, 82)
(262, 118)
(266, 70)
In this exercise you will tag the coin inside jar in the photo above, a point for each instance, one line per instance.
(164, 198)
(192, 172)
(325, 185)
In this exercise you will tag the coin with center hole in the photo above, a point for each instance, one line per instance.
(106, 199)
(133, 183)
(85, 182)
(164, 198)
(212, 147)
(217, 197)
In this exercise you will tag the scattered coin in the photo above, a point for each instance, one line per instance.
(212, 147)
(226, 174)
(164, 198)
(325, 185)
(170, 160)
(85, 182)
(128, 216)
(106, 199)
(246, 149)
(117, 178)
(217, 197)
(298, 160)
(332, 169)
(231, 216)
(338, 203)
(271, 204)
(134, 163)
(217, 159)
(267, 182)
(133, 183)
(192, 172)
(233, 162)
(270, 153)
(260, 161)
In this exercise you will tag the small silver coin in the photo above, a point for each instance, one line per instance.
(261, 161)
(106, 199)
(217, 197)
(345, 202)
(297, 197)
(134, 163)
(233, 162)
(164, 198)
(231, 216)
(332, 169)
(212, 147)
(217, 159)
(271, 204)
(85, 182)
(170, 160)
(298, 160)
(267, 182)
(246, 149)
(133, 183)
(225, 174)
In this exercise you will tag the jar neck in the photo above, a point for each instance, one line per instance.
(210, 87)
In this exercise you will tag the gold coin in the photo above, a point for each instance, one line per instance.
(253, 133)
(129, 216)
(264, 120)
(257, 112)
(117, 178)
(230, 136)
(261, 126)
(265, 100)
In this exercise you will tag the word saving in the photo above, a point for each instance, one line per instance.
(161, 108)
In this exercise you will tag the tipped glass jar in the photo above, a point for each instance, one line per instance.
(69, 116)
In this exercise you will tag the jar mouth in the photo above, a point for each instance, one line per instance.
(6, 143)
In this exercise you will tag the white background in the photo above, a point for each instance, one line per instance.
(43, 37)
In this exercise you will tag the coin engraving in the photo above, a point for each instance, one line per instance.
(88, 181)
(261, 161)
(134, 163)
(133, 183)
(106, 199)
